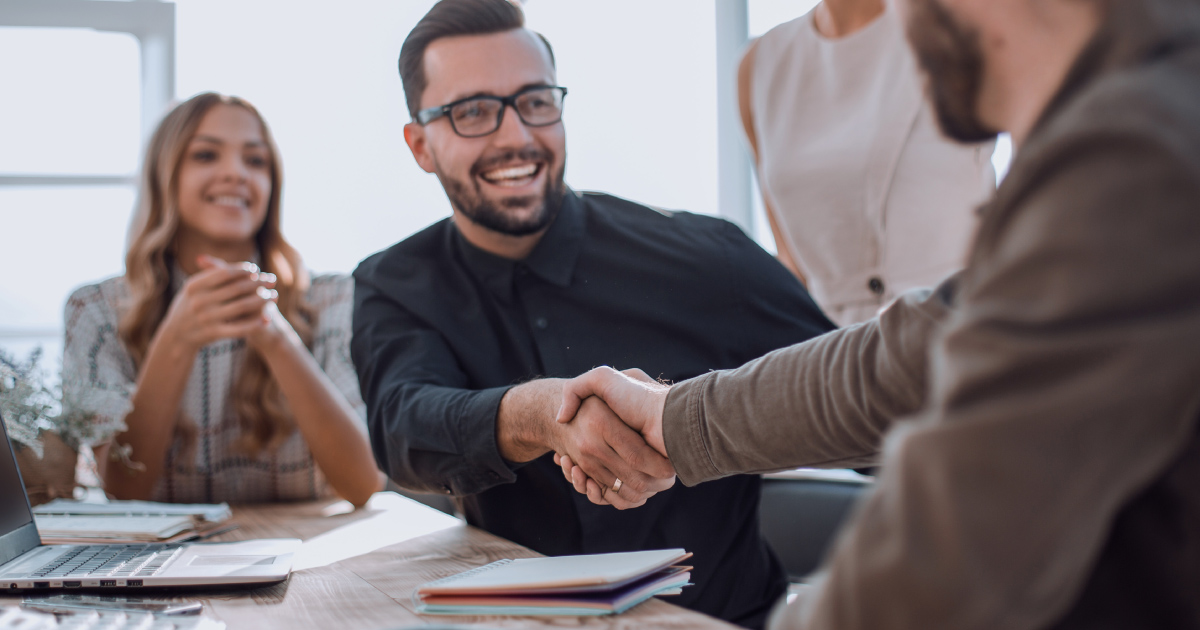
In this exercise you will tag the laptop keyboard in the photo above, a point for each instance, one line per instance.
(109, 561)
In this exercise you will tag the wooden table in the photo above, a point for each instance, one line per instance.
(357, 570)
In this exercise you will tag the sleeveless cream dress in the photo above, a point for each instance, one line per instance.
(871, 198)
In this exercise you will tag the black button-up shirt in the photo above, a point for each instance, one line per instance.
(443, 329)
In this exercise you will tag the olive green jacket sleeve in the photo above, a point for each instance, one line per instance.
(823, 403)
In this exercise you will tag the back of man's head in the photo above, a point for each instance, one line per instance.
(451, 18)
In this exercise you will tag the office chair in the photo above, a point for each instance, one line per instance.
(802, 511)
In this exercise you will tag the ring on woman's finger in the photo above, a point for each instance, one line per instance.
(617, 485)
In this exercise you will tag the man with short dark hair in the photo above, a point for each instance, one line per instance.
(464, 331)
(1041, 465)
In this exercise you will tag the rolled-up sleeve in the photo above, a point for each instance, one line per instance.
(429, 432)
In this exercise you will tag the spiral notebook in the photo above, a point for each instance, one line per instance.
(601, 584)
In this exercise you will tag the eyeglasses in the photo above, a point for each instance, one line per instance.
(480, 115)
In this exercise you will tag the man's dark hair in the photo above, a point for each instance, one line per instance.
(450, 18)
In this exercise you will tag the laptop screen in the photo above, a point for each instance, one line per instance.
(14, 504)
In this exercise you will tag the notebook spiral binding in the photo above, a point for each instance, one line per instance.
(416, 593)
(467, 574)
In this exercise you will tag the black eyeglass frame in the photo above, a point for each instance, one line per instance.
(426, 116)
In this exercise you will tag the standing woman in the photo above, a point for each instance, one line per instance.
(228, 368)
(865, 197)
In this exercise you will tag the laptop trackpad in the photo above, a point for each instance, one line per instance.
(227, 561)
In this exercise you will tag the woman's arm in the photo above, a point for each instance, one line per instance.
(745, 72)
(330, 426)
(213, 304)
(150, 426)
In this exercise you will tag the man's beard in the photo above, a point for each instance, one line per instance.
(952, 58)
(469, 199)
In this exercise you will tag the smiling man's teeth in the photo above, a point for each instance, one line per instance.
(516, 172)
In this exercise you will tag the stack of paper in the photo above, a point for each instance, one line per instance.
(110, 528)
(211, 512)
(124, 521)
(567, 585)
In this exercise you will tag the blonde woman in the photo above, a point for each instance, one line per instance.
(228, 368)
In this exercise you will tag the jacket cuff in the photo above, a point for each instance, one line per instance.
(684, 431)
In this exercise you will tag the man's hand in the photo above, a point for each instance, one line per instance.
(619, 453)
(596, 438)
(638, 401)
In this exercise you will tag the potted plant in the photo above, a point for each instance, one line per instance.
(46, 446)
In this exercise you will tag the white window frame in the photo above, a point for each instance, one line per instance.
(734, 165)
(152, 23)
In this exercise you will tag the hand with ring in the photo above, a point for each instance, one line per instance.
(638, 401)
(597, 441)
(565, 462)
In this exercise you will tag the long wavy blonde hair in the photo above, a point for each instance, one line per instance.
(257, 399)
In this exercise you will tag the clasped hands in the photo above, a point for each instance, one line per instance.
(636, 400)
(225, 300)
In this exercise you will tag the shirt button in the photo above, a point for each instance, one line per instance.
(446, 489)
(876, 286)
(541, 323)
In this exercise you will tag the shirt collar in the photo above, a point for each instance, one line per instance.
(552, 259)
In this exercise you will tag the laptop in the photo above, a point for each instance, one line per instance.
(27, 564)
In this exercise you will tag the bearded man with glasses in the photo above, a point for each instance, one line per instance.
(464, 332)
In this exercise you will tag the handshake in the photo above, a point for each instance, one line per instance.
(620, 458)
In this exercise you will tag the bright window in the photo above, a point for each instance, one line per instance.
(72, 102)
